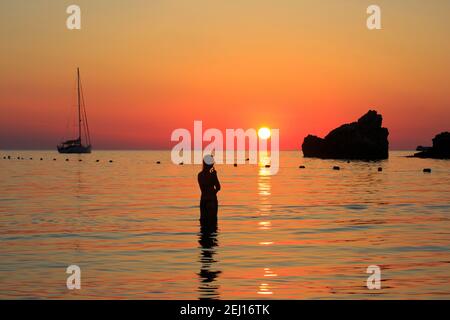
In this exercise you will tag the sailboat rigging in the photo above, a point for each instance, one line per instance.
(76, 145)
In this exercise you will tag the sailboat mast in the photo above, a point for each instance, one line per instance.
(79, 104)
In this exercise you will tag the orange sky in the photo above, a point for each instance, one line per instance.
(149, 67)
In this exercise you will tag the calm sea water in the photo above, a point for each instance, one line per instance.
(132, 227)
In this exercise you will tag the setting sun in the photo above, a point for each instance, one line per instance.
(264, 133)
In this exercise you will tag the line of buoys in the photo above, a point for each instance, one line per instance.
(66, 159)
(379, 169)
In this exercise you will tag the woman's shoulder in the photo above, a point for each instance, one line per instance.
(205, 174)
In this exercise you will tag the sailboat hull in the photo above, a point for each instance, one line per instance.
(74, 149)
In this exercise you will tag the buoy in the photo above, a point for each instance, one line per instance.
(336, 168)
(302, 167)
(380, 169)
(427, 170)
(158, 162)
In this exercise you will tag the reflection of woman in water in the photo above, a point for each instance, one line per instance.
(208, 287)
(209, 186)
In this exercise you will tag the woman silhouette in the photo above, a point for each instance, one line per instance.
(209, 186)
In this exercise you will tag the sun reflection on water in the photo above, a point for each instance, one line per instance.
(265, 210)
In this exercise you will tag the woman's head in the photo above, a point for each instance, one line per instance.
(208, 162)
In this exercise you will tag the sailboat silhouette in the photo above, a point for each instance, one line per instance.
(76, 145)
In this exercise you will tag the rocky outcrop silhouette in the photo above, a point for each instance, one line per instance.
(439, 150)
(365, 139)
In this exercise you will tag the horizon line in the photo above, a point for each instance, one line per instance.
(158, 149)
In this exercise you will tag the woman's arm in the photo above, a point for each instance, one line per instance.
(216, 182)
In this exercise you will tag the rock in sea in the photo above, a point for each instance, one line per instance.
(365, 139)
(439, 150)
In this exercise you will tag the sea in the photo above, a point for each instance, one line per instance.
(131, 226)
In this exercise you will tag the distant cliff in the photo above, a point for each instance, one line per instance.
(365, 139)
(439, 150)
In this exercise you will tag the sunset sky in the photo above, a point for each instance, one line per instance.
(149, 67)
